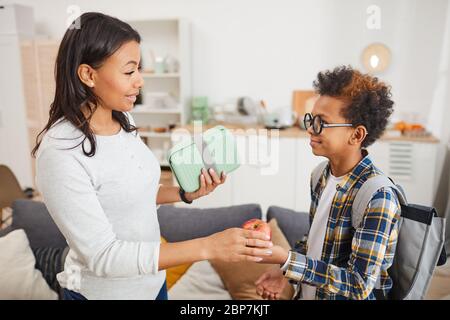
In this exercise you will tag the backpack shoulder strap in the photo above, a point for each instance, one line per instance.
(366, 192)
(317, 173)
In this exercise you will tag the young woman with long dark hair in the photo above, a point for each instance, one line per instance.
(100, 182)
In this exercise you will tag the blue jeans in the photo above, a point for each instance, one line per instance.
(162, 295)
(72, 295)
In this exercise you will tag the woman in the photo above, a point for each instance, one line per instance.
(99, 181)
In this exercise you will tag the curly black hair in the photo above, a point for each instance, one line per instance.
(369, 100)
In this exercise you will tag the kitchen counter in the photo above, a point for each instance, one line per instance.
(410, 161)
(296, 132)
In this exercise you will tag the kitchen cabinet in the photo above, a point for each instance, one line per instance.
(411, 165)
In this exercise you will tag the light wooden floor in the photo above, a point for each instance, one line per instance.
(440, 284)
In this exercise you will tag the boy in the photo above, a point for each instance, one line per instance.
(339, 261)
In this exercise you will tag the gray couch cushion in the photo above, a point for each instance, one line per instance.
(5, 231)
(50, 261)
(33, 217)
(294, 224)
(179, 224)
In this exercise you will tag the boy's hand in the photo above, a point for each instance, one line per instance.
(271, 284)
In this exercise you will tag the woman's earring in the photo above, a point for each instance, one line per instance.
(91, 84)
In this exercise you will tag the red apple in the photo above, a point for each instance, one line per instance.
(258, 225)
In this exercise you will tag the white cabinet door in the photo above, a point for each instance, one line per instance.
(306, 162)
(411, 165)
(421, 189)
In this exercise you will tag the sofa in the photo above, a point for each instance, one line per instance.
(177, 224)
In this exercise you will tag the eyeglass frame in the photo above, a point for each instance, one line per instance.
(322, 124)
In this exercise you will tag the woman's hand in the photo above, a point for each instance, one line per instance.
(209, 181)
(271, 284)
(279, 256)
(236, 244)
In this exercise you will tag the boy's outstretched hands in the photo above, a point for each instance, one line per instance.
(271, 284)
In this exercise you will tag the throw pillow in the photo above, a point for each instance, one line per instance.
(239, 278)
(175, 273)
(200, 282)
(19, 279)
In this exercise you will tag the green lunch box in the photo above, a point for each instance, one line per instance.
(215, 148)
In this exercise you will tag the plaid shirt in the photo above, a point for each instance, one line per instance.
(353, 261)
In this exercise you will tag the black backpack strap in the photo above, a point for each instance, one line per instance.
(379, 294)
(442, 258)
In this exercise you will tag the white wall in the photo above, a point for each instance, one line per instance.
(440, 118)
(14, 143)
(267, 48)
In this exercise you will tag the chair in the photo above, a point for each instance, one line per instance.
(10, 189)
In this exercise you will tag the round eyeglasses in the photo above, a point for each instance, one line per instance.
(317, 123)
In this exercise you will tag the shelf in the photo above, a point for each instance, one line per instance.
(149, 134)
(159, 75)
(164, 37)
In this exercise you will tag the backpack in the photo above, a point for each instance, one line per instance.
(420, 243)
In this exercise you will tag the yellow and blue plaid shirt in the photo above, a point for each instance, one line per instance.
(353, 261)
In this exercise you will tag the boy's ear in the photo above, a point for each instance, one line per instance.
(358, 135)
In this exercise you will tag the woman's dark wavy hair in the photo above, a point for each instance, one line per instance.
(96, 39)
(368, 100)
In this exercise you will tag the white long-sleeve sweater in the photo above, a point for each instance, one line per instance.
(105, 206)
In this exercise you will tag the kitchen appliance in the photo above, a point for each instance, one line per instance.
(281, 118)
